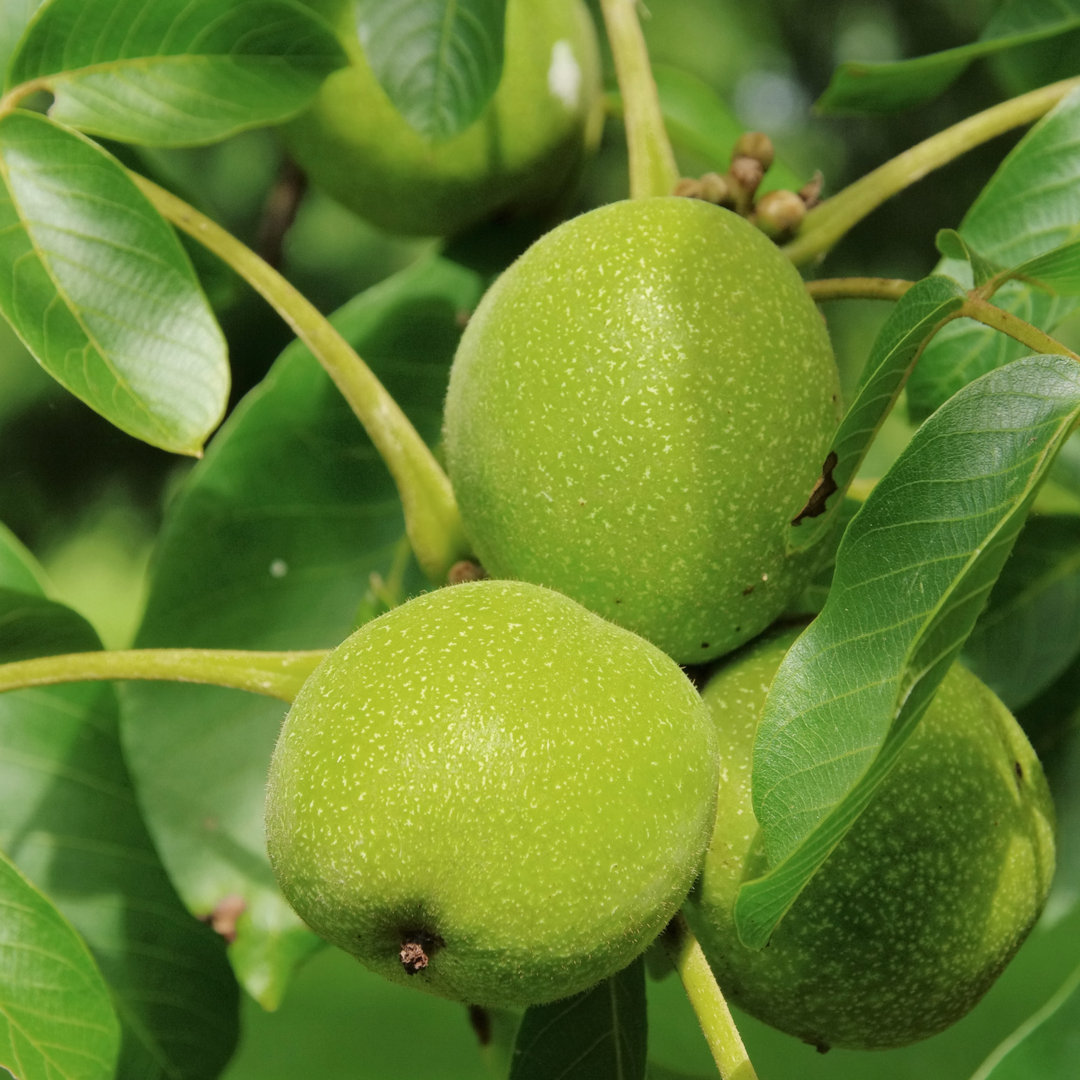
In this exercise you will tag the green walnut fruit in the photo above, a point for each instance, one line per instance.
(925, 900)
(639, 407)
(522, 153)
(492, 794)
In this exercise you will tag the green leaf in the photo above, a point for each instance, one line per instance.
(916, 317)
(912, 573)
(439, 61)
(862, 87)
(98, 288)
(1030, 631)
(69, 820)
(56, 1019)
(1056, 271)
(953, 246)
(14, 17)
(598, 1033)
(272, 544)
(1047, 1046)
(1028, 207)
(176, 72)
(18, 568)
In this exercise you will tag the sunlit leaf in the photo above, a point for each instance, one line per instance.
(439, 61)
(598, 1033)
(912, 573)
(272, 544)
(56, 1018)
(887, 87)
(98, 288)
(175, 72)
(1030, 206)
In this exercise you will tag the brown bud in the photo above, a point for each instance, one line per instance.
(779, 213)
(688, 188)
(465, 570)
(744, 175)
(715, 189)
(756, 145)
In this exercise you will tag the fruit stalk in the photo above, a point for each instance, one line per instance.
(431, 514)
(707, 1000)
(830, 220)
(652, 161)
(274, 674)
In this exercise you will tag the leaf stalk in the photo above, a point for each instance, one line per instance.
(432, 520)
(652, 161)
(830, 220)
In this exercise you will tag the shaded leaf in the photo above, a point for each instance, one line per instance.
(1057, 271)
(598, 1033)
(888, 87)
(98, 288)
(176, 72)
(439, 61)
(69, 820)
(1030, 631)
(56, 1019)
(1028, 207)
(914, 319)
(912, 573)
(272, 544)
(1047, 1046)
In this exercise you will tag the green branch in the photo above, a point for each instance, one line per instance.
(652, 161)
(708, 1002)
(274, 674)
(431, 514)
(828, 221)
(975, 307)
(857, 288)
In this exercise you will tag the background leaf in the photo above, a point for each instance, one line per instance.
(69, 820)
(97, 286)
(1029, 206)
(176, 72)
(862, 87)
(14, 17)
(1030, 631)
(1047, 1047)
(272, 544)
(598, 1033)
(912, 572)
(439, 61)
(56, 1019)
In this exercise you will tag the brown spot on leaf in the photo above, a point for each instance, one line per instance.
(1019, 770)
(748, 590)
(226, 912)
(823, 488)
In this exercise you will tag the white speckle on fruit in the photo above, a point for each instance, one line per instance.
(279, 568)
(564, 75)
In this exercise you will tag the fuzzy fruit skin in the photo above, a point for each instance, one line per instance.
(924, 901)
(522, 153)
(637, 409)
(496, 768)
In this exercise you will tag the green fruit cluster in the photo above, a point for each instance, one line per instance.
(522, 153)
(925, 900)
(492, 794)
(638, 408)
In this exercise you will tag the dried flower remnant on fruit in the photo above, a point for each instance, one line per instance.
(465, 570)
(416, 952)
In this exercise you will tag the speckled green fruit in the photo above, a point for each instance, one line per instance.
(522, 153)
(925, 900)
(637, 409)
(498, 782)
